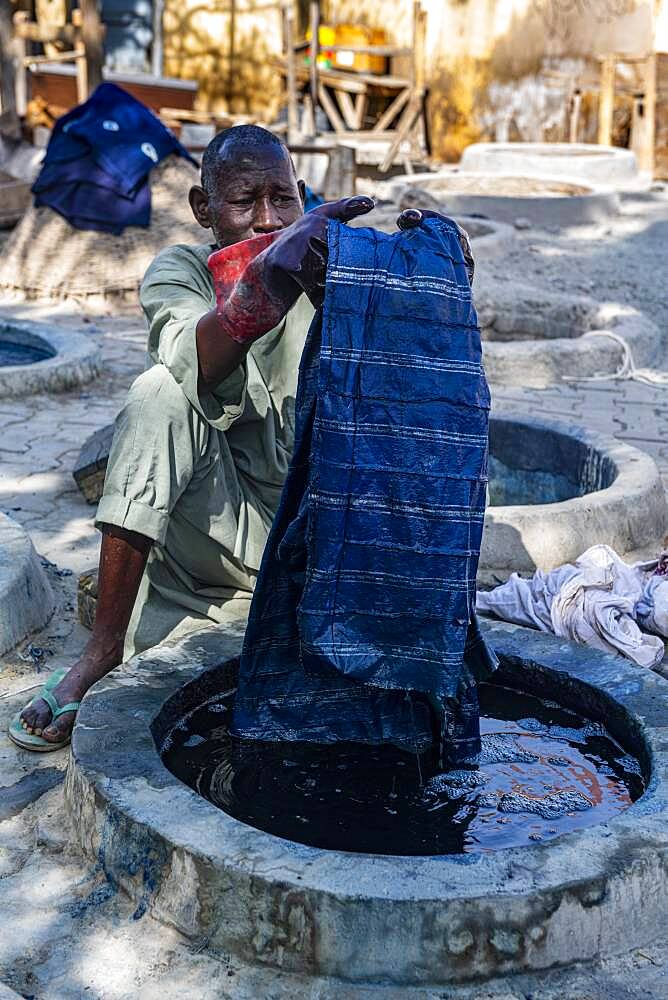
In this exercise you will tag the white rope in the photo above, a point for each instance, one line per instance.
(628, 370)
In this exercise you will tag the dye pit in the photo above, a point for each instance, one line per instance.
(499, 186)
(510, 486)
(543, 771)
(21, 354)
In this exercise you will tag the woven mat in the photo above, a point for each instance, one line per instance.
(45, 257)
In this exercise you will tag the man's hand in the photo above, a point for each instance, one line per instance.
(301, 249)
(411, 218)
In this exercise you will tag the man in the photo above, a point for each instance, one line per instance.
(202, 445)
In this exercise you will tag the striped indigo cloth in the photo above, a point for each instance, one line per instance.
(362, 625)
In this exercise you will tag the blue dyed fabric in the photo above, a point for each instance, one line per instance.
(362, 626)
(312, 200)
(97, 164)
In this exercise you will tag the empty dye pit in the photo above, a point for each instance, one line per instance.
(607, 165)
(43, 357)
(543, 771)
(537, 337)
(511, 194)
(21, 354)
(556, 489)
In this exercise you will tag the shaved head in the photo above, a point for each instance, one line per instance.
(249, 185)
(234, 148)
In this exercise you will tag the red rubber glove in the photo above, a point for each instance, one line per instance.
(259, 280)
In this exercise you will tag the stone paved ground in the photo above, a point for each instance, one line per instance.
(64, 933)
(41, 437)
(623, 261)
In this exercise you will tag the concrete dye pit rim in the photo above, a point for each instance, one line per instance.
(626, 509)
(533, 337)
(26, 598)
(414, 921)
(598, 204)
(608, 165)
(73, 358)
(15, 197)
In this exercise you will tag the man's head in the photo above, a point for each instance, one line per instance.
(249, 185)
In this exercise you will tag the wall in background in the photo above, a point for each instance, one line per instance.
(497, 68)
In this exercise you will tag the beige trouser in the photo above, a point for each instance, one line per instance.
(172, 478)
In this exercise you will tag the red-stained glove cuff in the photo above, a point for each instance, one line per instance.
(251, 298)
(259, 280)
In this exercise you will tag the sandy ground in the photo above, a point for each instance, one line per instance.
(64, 933)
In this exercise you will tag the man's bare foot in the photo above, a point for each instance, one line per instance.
(95, 663)
(123, 558)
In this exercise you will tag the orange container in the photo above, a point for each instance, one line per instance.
(359, 35)
(326, 38)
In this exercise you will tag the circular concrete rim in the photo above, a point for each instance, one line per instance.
(422, 920)
(628, 515)
(609, 165)
(568, 210)
(540, 362)
(26, 598)
(75, 359)
(500, 237)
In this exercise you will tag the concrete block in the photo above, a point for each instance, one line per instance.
(91, 465)
(87, 598)
(26, 598)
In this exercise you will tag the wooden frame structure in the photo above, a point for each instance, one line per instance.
(643, 126)
(344, 96)
(84, 35)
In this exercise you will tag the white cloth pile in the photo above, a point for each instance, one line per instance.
(599, 601)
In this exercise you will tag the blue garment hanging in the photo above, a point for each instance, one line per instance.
(362, 626)
(97, 164)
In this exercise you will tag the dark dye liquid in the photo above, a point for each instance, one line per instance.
(20, 354)
(543, 771)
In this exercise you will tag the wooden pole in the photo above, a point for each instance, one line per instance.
(158, 47)
(645, 153)
(80, 62)
(341, 176)
(606, 102)
(21, 73)
(419, 46)
(9, 117)
(415, 107)
(291, 74)
(232, 55)
(313, 69)
(91, 36)
(574, 117)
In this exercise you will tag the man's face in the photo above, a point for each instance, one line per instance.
(255, 193)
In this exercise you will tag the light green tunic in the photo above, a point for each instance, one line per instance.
(200, 475)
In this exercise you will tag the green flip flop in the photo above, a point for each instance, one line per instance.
(28, 741)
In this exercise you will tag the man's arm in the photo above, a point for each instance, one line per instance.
(217, 353)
